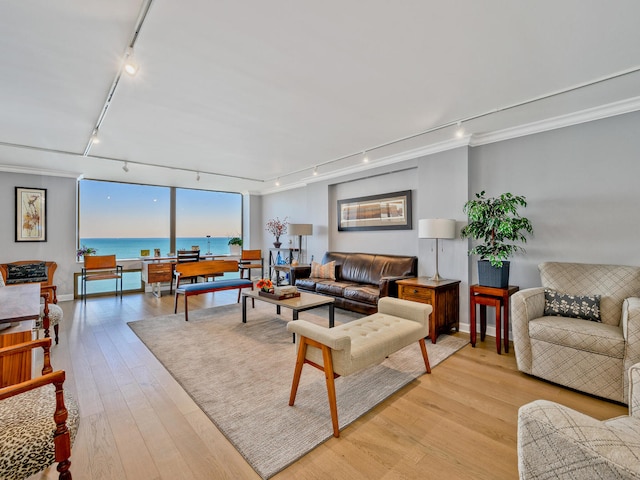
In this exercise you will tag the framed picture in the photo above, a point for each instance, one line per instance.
(31, 214)
(389, 211)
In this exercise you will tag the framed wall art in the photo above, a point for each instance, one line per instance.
(31, 214)
(389, 211)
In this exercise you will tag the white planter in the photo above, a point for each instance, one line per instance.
(235, 250)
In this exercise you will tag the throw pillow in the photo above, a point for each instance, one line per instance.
(586, 307)
(27, 273)
(328, 270)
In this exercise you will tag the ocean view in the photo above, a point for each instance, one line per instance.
(125, 248)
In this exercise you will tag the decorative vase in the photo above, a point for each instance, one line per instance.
(277, 243)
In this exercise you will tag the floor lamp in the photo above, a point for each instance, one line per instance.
(437, 228)
(301, 230)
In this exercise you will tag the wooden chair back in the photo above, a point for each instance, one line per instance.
(251, 255)
(99, 262)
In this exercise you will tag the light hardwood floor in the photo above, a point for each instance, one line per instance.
(137, 422)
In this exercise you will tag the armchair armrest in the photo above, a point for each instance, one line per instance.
(634, 390)
(526, 305)
(630, 323)
(554, 439)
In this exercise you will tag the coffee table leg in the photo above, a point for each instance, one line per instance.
(244, 309)
(331, 315)
(278, 309)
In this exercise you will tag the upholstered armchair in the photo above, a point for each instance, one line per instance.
(554, 341)
(557, 442)
(39, 420)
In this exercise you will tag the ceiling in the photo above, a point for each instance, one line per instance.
(250, 93)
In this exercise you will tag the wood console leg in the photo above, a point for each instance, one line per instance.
(472, 321)
(498, 318)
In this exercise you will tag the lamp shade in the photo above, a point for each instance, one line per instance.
(300, 229)
(437, 228)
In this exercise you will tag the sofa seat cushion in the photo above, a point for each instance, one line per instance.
(363, 293)
(579, 334)
(307, 283)
(333, 288)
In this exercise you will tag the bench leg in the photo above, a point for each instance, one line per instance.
(175, 302)
(331, 388)
(186, 307)
(302, 351)
(423, 347)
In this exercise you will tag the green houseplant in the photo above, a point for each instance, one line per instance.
(235, 245)
(494, 222)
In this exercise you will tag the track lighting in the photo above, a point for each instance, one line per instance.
(197, 176)
(460, 130)
(278, 182)
(94, 137)
(130, 65)
(125, 167)
(315, 171)
(365, 159)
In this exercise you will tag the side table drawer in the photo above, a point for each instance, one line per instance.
(416, 294)
(160, 272)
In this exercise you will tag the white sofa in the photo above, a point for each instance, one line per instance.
(556, 442)
(584, 355)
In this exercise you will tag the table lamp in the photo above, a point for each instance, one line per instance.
(300, 229)
(437, 228)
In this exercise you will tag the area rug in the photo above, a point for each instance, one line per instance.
(240, 376)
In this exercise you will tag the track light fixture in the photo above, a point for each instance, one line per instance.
(460, 130)
(365, 158)
(278, 182)
(130, 65)
(125, 167)
(94, 137)
(197, 176)
(315, 171)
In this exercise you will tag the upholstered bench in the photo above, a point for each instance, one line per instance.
(356, 345)
(207, 287)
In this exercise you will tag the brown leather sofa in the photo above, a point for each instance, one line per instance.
(360, 278)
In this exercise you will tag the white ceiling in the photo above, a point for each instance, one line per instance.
(250, 91)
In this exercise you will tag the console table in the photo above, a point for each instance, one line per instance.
(442, 295)
(276, 267)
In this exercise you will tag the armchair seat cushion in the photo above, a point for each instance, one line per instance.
(579, 334)
(26, 436)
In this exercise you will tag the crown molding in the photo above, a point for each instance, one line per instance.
(39, 171)
(583, 116)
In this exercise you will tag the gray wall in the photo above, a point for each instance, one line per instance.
(60, 246)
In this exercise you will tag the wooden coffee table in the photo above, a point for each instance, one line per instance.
(306, 301)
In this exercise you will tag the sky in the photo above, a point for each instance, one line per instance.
(121, 210)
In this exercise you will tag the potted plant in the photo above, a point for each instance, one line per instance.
(235, 245)
(495, 221)
(82, 251)
(276, 227)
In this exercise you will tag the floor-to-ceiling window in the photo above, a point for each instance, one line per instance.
(132, 221)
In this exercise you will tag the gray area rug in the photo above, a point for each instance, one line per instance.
(240, 376)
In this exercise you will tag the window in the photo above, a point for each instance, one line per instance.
(128, 219)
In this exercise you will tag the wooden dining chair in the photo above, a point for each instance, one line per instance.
(100, 267)
(185, 256)
(250, 259)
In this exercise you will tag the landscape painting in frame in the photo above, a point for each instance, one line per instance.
(389, 211)
(31, 214)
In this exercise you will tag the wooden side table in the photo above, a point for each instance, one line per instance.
(493, 297)
(443, 296)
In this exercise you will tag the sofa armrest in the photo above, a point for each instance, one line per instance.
(326, 336)
(630, 324)
(634, 390)
(557, 442)
(299, 271)
(526, 305)
(389, 287)
(418, 312)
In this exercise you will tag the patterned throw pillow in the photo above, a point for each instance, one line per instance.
(27, 273)
(328, 270)
(575, 306)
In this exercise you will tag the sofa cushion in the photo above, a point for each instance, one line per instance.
(328, 270)
(26, 273)
(575, 333)
(307, 283)
(363, 293)
(586, 307)
(334, 288)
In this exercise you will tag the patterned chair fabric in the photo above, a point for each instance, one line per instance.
(557, 442)
(588, 356)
